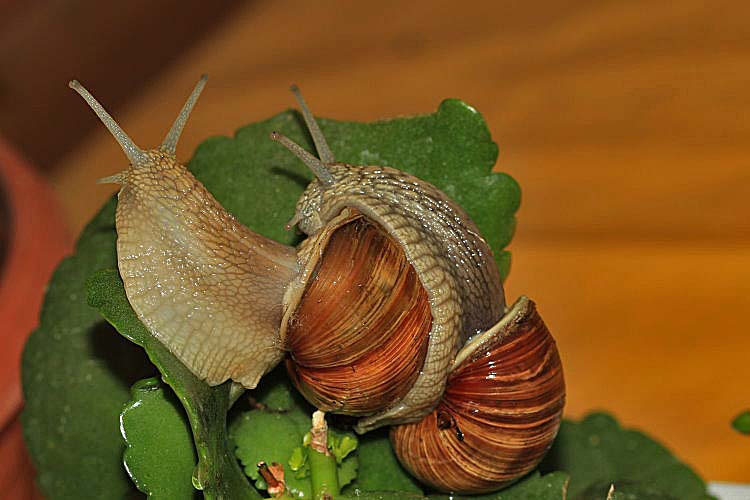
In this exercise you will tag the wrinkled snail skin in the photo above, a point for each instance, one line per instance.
(500, 412)
(188, 266)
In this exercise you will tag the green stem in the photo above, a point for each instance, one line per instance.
(323, 474)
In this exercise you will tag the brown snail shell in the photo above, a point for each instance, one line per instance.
(430, 237)
(360, 330)
(500, 412)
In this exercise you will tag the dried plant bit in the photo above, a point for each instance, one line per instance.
(323, 465)
(273, 475)
(319, 433)
(611, 492)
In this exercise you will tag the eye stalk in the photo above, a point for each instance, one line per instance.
(316, 165)
(324, 151)
(169, 144)
(319, 166)
(135, 154)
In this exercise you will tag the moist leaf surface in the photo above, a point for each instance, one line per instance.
(160, 457)
(217, 473)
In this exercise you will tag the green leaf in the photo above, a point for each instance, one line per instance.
(552, 486)
(597, 452)
(341, 444)
(741, 422)
(532, 487)
(272, 436)
(298, 462)
(277, 393)
(379, 469)
(160, 457)
(268, 437)
(382, 495)
(624, 490)
(76, 374)
(217, 473)
(348, 470)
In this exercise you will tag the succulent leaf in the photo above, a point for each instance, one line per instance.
(160, 457)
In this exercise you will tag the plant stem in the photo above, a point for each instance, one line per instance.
(323, 470)
(323, 475)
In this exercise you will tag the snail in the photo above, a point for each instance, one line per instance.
(387, 311)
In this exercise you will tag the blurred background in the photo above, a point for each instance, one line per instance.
(626, 123)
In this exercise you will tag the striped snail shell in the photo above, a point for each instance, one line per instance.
(369, 312)
(500, 412)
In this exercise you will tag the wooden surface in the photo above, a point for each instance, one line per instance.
(626, 124)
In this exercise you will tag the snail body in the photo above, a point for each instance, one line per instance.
(370, 312)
